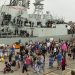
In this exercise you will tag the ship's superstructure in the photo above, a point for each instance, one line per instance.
(15, 19)
(24, 3)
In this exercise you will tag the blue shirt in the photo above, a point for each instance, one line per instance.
(16, 57)
(59, 57)
(11, 50)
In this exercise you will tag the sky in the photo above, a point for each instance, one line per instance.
(58, 8)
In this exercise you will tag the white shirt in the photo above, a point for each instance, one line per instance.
(54, 49)
(48, 44)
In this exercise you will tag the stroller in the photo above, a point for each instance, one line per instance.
(7, 68)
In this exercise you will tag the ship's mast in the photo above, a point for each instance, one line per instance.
(38, 7)
(38, 12)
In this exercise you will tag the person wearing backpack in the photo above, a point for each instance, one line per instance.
(38, 64)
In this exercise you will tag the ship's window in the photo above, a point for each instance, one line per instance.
(30, 23)
(39, 24)
(2, 30)
(7, 17)
(24, 23)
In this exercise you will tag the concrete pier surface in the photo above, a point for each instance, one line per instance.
(53, 71)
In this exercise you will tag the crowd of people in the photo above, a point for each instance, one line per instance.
(32, 56)
(3, 50)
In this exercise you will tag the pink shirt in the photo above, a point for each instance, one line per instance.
(27, 61)
(64, 47)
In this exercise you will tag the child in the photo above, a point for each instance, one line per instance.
(63, 64)
(17, 59)
(51, 60)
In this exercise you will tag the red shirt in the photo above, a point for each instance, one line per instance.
(63, 61)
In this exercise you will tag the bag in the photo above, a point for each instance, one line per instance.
(14, 63)
(39, 62)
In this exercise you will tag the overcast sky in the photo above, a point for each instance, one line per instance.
(58, 8)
